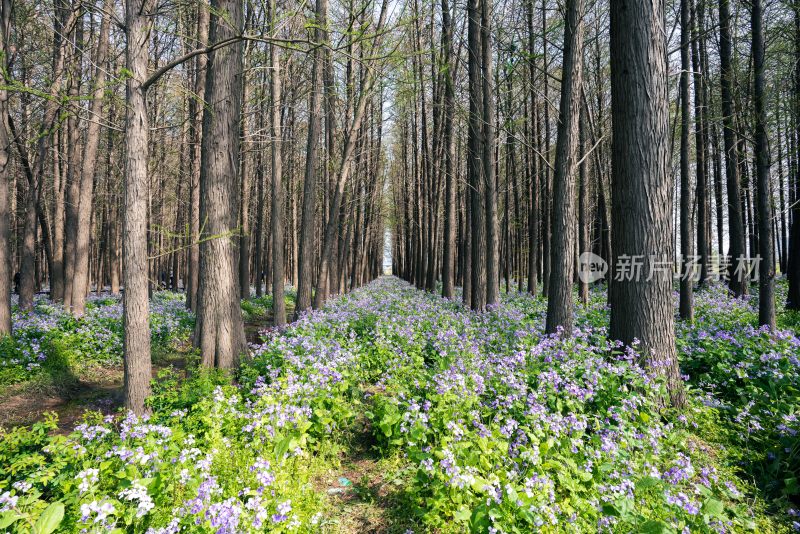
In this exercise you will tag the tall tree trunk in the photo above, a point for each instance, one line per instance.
(305, 272)
(448, 109)
(766, 268)
(196, 107)
(738, 282)
(5, 200)
(562, 247)
(475, 153)
(641, 306)
(80, 281)
(136, 306)
(278, 200)
(489, 171)
(219, 331)
(793, 271)
(685, 307)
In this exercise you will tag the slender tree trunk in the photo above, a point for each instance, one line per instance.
(80, 281)
(278, 200)
(475, 152)
(583, 206)
(793, 271)
(489, 170)
(448, 109)
(562, 247)
(196, 106)
(766, 272)
(685, 307)
(306, 250)
(738, 281)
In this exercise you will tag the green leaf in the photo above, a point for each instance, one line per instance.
(462, 514)
(647, 482)
(713, 507)
(654, 527)
(50, 519)
(8, 518)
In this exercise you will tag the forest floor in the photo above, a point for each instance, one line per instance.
(70, 396)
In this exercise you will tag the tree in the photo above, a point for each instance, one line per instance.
(793, 273)
(562, 247)
(136, 306)
(685, 307)
(641, 307)
(306, 256)
(766, 244)
(219, 330)
(448, 105)
(80, 283)
(278, 200)
(5, 200)
(475, 154)
(196, 106)
(736, 248)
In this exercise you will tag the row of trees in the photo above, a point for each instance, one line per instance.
(676, 140)
(191, 146)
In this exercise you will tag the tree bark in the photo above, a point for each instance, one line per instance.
(641, 307)
(219, 330)
(5, 200)
(136, 306)
(305, 272)
(685, 307)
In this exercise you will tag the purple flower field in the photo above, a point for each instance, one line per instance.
(485, 424)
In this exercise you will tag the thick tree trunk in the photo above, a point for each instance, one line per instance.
(219, 331)
(641, 306)
(562, 247)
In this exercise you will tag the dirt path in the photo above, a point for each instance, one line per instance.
(364, 489)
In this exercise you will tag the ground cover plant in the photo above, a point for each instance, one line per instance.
(487, 424)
